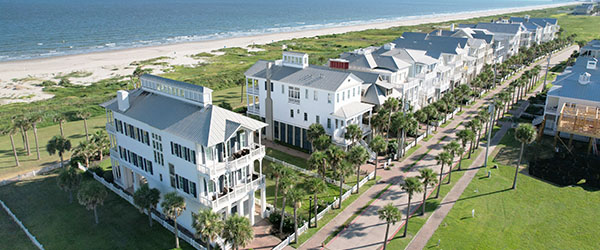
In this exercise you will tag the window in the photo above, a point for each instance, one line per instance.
(272, 87)
(291, 113)
(328, 122)
(354, 92)
(343, 95)
(337, 97)
(265, 85)
(183, 152)
(305, 116)
(315, 95)
(172, 174)
(336, 123)
(329, 98)
(282, 89)
(317, 120)
(306, 94)
(294, 92)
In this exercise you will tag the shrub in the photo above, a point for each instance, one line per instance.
(97, 170)
(108, 176)
(288, 223)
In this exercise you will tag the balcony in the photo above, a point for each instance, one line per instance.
(293, 101)
(254, 109)
(236, 193)
(110, 127)
(551, 110)
(252, 91)
(239, 159)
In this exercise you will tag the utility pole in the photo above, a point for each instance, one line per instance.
(491, 110)
(547, 68)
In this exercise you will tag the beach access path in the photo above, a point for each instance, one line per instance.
(366, 231)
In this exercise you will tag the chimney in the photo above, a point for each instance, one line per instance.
(122, 100)
(269, 103)
(452, 27)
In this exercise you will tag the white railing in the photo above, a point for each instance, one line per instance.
(320, 215)
(252, 91)
(238, 192)
(255, 152)
(305, 171)
(110, 127)
(29, 235)
(293, 101)
(129, 198)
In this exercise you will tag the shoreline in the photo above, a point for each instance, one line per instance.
(22, 74)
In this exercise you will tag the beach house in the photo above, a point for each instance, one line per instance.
(290, 94)
(547, 31)
(573, 103)
(509, 35)
(169, 135)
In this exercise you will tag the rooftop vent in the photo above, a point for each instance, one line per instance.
(389, 46)
(122, 100)
(585, 78)
(591, 64)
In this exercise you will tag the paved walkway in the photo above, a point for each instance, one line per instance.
(366, 231)
(420, 240)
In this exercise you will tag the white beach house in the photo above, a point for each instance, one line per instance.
(168, 134)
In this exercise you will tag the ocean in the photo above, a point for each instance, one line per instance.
(46, 28)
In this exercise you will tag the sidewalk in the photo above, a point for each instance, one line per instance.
(366, 231)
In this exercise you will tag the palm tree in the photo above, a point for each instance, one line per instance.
(452, 148)
(428, 178)
(353, 133)
(432, 115)
(68, 180)
(208, 225)
(34, 120)
(484, 116)
(391, 105)
(238, 231)
(318, 161)
(86, 149)
(277, 171)
(390, 214)
(379, 121)
(100, 139)
(24, 125)
(525, 134)
(411, 126)
(84, 115)
(421, 117)
(411, 185)
(358, 156)
(379, 146)
(295, 196)
(90, 195)
(475, 125)
(315, 186)
(60, 145)
(60, 118)
(314, 131)
(173, 206)
(146, 198)
(341, 168)
(287, 184)
(10, 131)
(321, 143)
(442, 159)
(460, 151)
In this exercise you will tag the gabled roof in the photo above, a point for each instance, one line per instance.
(434, 45)
(567, 84)
(508, 28)
(352, 109)
(375, 94)
(205, 126)
(313, 76)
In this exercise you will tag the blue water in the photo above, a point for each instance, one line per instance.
(44, 28)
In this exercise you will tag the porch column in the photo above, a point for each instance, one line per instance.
(263, 201)
(259, 137)
(260, 167)
(252, 207)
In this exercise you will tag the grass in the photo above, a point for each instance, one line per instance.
(448, 121)
(12, 235)
(409, 152)
(416, 161)
(427, 138)
(299, 162)
(231, 96)
(416, 221)
(74, 131)
(59, 225)
(74, 74)
(332, 214)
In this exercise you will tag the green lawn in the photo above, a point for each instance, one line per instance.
(12, 235)
(60, 225)
(73, 131)
(538, 215)
(299, 162)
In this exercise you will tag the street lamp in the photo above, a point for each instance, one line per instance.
(491, 110)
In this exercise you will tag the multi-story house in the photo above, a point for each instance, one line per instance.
(549, 27)
(169, 135)
(290, 95)
(509, 35)
(573, 102)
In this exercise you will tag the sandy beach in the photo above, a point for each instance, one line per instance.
(18, 79)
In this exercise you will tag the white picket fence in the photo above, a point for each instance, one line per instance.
(14, 217)
(320, 215)
(305, 171)
(32, 173)
(129, 198)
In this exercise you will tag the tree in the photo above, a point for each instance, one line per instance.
(315, 186)
(314, 131)
(442, 159)
(318, 161)
(341, 168)
(411, 185)
(146, 198)
(295, 196)
(60, 118)
(100, 139)
(10, 131)
(24, 125)
(91, 194)
(353, 133)
(391, 105)
(452, 148)
(379, 121)
(86, 149)
(173, 206)
(421, 117)
(68, 180)
(60, 145)
(238, 231)
(322, 143)
(358, 156)
(288, 182)
(390, 214)
(428, 178)
(34, 120)
(460, 151)
(379, 146)
(525, 134)
(432, 115)
(277, 171)
(84, 115)
(208, 225)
